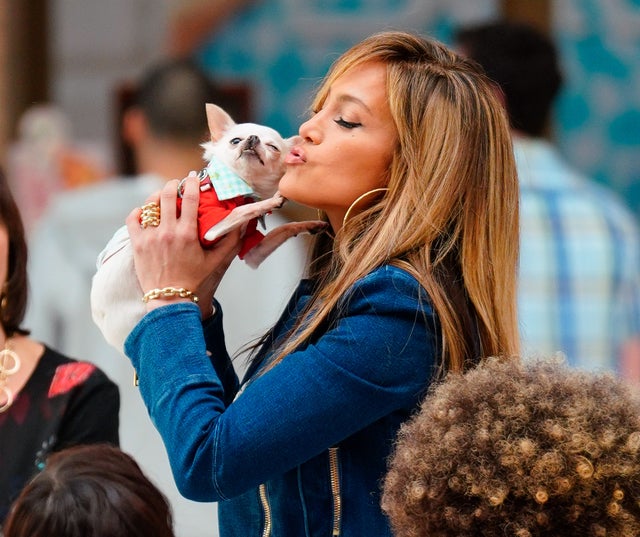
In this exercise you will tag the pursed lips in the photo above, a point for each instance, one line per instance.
(295, 156)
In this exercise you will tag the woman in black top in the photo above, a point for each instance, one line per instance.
(47, 401)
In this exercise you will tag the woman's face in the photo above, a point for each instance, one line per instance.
(347, 145)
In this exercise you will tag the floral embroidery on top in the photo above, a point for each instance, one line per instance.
(68, 376)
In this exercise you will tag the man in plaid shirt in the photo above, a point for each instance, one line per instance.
(579, 290)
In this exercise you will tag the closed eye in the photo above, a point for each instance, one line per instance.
(347, 124)
(274, 147)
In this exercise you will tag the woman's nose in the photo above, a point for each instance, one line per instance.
(309, 130)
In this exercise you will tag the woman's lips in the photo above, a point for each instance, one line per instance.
(295, 156)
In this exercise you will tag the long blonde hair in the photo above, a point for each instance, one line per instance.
(450, 216)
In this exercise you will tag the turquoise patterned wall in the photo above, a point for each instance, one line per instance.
(598, 114)
(283, 47)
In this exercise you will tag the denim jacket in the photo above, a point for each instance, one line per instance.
(301, 449)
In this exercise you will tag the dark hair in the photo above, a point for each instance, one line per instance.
(172, 95)
(521, 449)
(14, 291)
(523, 62)
(90, 490)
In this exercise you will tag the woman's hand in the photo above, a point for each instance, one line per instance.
(170, 254)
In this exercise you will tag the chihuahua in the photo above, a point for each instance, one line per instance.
(238, 187)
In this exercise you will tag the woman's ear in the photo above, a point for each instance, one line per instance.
(134, 126)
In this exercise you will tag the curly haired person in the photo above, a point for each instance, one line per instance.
(519, 449)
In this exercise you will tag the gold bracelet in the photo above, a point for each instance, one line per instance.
(169, 292)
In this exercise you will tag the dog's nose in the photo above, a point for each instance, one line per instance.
(252, 141)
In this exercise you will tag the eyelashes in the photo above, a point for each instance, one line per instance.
(340, 121)
(347, 124)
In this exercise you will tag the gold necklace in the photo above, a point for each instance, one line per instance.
(9, 365)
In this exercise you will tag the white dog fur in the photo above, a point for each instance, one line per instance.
(116, 296)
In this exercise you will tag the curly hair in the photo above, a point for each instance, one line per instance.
(522, 449)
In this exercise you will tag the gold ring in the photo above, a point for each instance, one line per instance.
(150, 215)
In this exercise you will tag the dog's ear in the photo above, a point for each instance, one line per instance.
(218, 120)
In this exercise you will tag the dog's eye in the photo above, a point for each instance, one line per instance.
(235, 141)
(274, 147)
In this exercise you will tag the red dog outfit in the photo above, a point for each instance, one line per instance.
(221, 191)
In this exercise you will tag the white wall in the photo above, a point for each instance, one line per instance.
(95, 45)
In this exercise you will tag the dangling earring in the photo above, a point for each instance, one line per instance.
(359, 199)
(9, 365)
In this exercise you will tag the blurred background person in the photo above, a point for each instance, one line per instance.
(579, 281)
(46, 158)
(48, 401)
(97, 491)
(164, 127)
(519, 448)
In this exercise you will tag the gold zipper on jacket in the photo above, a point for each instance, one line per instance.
(264, 500)
(334, 474)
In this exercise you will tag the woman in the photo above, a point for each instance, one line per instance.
(408, 155)
(95, 490)
(47, 401)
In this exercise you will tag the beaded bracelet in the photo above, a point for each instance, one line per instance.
(169, 292)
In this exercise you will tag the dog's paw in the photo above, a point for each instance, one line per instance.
(278, 200)
(317, 227)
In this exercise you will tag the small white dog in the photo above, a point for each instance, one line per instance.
(238, 187)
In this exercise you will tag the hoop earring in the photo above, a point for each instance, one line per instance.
(359, 199)
(3, 299)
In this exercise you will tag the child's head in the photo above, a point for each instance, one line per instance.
(519, 449)
(94, 490)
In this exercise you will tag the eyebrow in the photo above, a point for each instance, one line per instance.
(347, 98)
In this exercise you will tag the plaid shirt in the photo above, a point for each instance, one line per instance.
(579, 285)
(227, 183)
